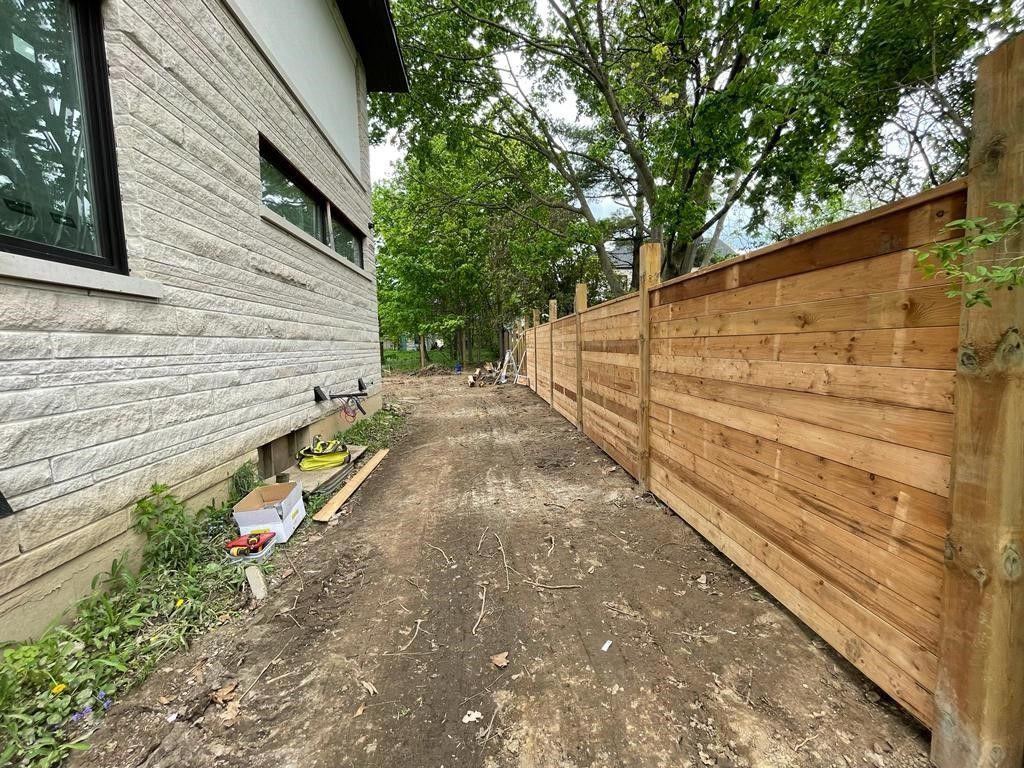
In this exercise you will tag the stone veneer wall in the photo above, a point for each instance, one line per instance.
(102, 394)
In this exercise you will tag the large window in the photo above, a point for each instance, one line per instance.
(287, 193)
(59, 194)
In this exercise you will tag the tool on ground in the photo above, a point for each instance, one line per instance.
(323, 454)
(248, 544)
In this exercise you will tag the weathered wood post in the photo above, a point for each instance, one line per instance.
(979, 697)
(650, 274)
(536, 325)
(423, 352)
(580, 306)
(552, 316)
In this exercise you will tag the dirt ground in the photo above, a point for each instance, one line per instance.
(374, 651)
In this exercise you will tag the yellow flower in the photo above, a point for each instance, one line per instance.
(58, 689)
(181, 602)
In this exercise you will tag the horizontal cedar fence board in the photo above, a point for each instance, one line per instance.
(897, 347)
(911, 308)
(914, 427)
(917, 546)
(626, 303)
(905, 228)
(799, 416)
(858, 278)
(921, 469)
(911, 508)
(617, 327)
(912, 387)
(613, 377)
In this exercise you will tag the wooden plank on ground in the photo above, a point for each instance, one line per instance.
(328, 510)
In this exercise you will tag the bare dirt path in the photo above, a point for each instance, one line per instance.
(663, 654)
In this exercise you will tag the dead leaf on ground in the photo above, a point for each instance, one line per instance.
(369, 687)
(362, 708)
(225, 693)
(472, 716)
(164, 699)
(500, 660)
(608, 470)
(231, 711)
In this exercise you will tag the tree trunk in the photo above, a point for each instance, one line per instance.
(423, 352)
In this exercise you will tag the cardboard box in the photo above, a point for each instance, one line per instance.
(276, 508)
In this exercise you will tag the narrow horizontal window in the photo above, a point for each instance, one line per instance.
(347, 243)
(288, 195)
(292, 196)
(59, 195)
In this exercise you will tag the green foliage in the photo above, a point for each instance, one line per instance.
(52, 689)
(409, 360)
(681, 111)
(377, 432)
(464, 250)
(957, 259)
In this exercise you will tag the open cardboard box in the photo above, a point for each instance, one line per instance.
(276, 508)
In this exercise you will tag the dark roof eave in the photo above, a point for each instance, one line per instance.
(373, 31)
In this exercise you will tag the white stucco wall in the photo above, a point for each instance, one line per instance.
(307, 42)
(103, 394)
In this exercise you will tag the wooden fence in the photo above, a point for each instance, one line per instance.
(796, 406)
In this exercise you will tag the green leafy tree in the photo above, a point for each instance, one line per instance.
(464, 250)
(676, 111)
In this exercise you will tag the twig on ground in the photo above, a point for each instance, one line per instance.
(422, 591)
(483, 602)
(552, 547)
(487, 733)
(544, 586)
(414, 634)
(485, 689)
(803, 743)
(552, 586)
(481, 542)
(508, 582)
(302, 581)
(447, 560)
(273, 680)
(261, 674)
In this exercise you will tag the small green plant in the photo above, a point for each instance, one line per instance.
(1004, 270)
(53, 688)
(376, 432)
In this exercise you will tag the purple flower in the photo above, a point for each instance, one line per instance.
(81, 715)
(105, 700)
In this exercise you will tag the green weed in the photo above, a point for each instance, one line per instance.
(51, 689)
(378, 431)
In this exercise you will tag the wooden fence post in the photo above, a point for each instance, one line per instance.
(536, 325)
(579, 307)
(650, 275)
(979, 697)
(552, 316)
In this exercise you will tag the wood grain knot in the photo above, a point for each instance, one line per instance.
(980, 575)
(968, 360)
(1010, 351)
(993, 153)
(1012, 565)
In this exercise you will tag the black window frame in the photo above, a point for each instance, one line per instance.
(325, 208)
(108, 220)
